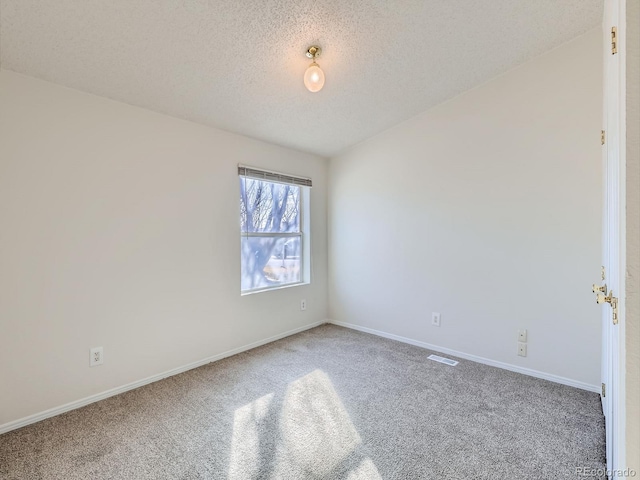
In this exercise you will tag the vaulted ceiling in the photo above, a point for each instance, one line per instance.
(238, 64)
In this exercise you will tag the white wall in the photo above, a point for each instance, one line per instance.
(487, 210)
(119, 228)
(633, 236)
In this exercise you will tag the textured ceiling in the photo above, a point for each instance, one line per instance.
(238, 64)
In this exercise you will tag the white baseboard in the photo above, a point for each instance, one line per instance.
(474, 358)
(52, 412)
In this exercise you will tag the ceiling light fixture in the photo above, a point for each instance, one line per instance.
(314, 76)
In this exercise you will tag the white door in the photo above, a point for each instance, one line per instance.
(612, 284)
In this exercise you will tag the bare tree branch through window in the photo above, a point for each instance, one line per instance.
(271, 237)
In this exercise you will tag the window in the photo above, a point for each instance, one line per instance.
(273, 244)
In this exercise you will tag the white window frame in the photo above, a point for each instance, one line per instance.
(304, 185)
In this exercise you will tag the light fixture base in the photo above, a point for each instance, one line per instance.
(313, 52)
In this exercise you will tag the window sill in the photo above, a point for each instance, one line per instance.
(270, 289)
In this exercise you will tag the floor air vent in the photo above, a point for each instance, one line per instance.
(440, 359)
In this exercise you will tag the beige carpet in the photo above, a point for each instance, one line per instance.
(329, 403)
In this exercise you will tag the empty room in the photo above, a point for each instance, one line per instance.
(341, 240)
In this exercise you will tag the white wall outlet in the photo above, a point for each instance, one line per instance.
(522, 335)
(522, 349)
(435, 319)
(303, 305)
(97, 357)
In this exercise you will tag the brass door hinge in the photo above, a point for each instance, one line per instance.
(614, 40)
(601, 137)
(602, 297)
(604, 390)
(614, 308)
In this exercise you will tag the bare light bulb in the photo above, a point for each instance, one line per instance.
(314, 78)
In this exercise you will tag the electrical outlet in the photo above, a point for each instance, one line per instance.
(303, 305)
(522, 335)
(522, 349)
(97, 357)
(435, 319)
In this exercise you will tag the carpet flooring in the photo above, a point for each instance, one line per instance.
(329, 403)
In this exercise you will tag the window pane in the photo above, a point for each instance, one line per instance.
(269, 261)
(269, 207)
